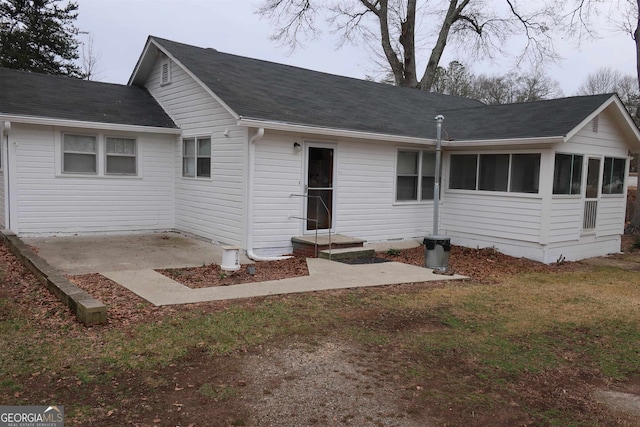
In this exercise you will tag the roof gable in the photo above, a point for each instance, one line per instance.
(268, 91)
(65, 98)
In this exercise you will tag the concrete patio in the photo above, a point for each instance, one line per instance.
(131, 261)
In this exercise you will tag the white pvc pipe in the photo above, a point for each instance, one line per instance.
(250, 175)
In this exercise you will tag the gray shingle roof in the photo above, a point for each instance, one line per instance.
(265, 90)
(555, 117)
(59, 97)
(274, 92)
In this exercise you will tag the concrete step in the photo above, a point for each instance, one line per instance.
(306, 245)
(346, 253)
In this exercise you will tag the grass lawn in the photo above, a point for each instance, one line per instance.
(530, 349)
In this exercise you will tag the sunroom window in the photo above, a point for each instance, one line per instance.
(515, 173)
(613, 179)
(415, 176)
(567, 174)
(464, 172)
(79, 154)
(196, 157)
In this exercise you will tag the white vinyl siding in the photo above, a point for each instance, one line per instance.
(566, 217)
(504, 216)
(45, 202)
(211, 208)
(365, 194)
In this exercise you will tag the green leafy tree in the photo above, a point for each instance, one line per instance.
(40, 36)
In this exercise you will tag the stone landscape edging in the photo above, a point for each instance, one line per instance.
(87, 309)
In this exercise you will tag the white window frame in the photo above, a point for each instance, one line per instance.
(95, 153)
(509, 175)
(100, 154)
(622, 193)
(107, 155)
(196, 140)
(582, 180)
(420, 177)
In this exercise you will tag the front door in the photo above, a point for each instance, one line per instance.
(591, 195)
(319, 186)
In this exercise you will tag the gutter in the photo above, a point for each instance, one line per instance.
(479, 143)
(34, 120)
(250, 177)
(344, 133)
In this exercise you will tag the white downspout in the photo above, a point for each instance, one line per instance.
(250, 176)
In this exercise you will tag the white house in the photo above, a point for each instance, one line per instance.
(230, 149)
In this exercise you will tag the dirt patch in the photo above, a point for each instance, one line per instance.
(348, 389)
(213, 275)
(623, 402)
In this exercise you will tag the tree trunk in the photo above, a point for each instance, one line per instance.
(453, 13)
(407, 40)
(635, 220)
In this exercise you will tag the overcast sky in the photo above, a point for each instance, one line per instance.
(120, 28)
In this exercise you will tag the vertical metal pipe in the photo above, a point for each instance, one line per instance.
(436, 185)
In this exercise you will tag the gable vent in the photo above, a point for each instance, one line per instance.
(166, 72)
(594, 124)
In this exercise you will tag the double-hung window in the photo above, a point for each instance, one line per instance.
(415, 175)
(514, 173)
(196, 157)
(613, 178)
(79, 154)
(121, 156)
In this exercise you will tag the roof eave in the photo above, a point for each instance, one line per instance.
(319, 130)
(47, 121)
(478, 143)
(136, 76)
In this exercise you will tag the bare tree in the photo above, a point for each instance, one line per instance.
(455, 80)
(397, 29)
(89, 59)
(512, 87)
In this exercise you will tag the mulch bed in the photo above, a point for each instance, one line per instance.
(212, 275)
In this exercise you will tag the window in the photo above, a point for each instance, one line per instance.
(121, 156)
(525, 173)
(416, 171)
(79, 154)
(165, 72)
(196, 157)
(613, 179)
(494, 172)
(516, 173)
(464, 171)
(567, 174)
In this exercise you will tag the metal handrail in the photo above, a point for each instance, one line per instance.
(316, 220)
